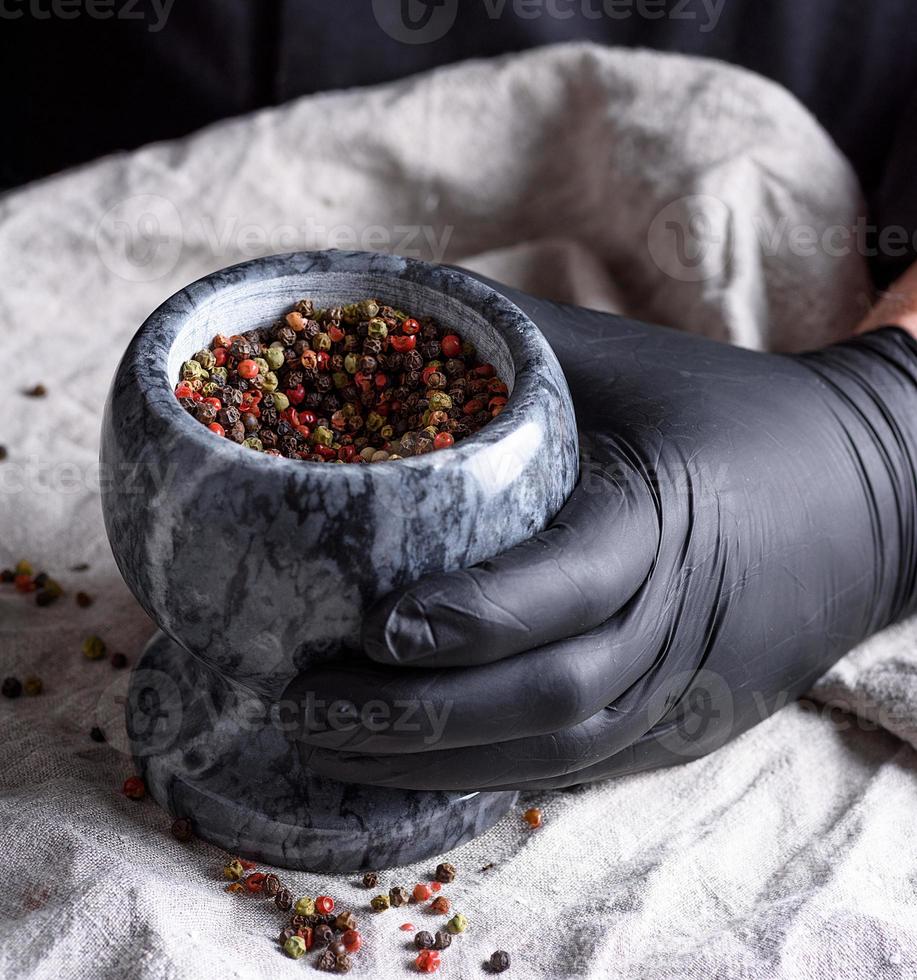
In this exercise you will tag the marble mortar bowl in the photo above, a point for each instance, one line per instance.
(260, 566)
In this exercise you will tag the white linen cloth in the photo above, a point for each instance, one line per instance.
(682, 191)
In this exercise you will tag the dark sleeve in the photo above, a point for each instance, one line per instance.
(894, 205)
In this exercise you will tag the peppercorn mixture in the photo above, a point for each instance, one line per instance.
(361, 383)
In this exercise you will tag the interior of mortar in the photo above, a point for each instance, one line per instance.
(259, 303)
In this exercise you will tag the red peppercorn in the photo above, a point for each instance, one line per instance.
(406, 927)
(221, 340)
(498, 401)
(422, 892)
(217, 428)
(303, 430)
(410, 326)
(134, 788)
(323, 360)
(451, 345)
(197, 396)
(326, 452)
(255, 882)
(347, 453)
(440, 905)
(443, 440)
(335, 333)
(24, 583)
(247, 369)
(324, 903)
(497, 387)
(427, 371)
(296, 395)
(308, 418)
(352, 940)
(484, 370)
(403, 344)
(217, 404)
(219, 354)
(183, 390)
(436, 885)
(247, 865)
(428, 961)
(473, 407)
(533, 817)
(306, 935)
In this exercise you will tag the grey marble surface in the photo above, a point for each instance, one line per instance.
(260, 566)
(211, 750)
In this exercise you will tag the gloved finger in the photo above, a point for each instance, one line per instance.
(376, 709)
(532, 761)
(566, 580)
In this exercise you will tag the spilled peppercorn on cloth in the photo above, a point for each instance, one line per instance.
(677, 190)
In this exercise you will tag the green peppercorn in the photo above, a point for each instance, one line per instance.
(439, 401)
(458, 923)
(386, 432)
(377, 328)
(351, 363)
(305, 906)
(341, 379)
(281, 402)
(269, 381)
(24, 567)
(295, 947)
(374, 421)
(321, 341)
(191, 369)
(274, 357)
(52, 588)
(323, 436)
(93, 648)
(32, 686)
(380, 903)
(253, 442)
(206, 359)
(234, 871)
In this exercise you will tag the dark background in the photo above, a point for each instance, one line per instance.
(81, 87)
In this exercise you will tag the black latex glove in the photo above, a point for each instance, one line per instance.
(742, 521)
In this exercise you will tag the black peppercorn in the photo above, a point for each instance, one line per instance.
(83, 600)
(345, 921)
(96, 734)
(322, 934)
(370, 879)
(284, 900)
(499, 961)
(423, 939)
(118, 661)
(12, 687)
(342, 963)
(442, 940)
(182, 830)
(327, 961)
(286, 934)
(398, 896)
(445, 873)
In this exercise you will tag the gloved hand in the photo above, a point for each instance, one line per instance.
(742, 521)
